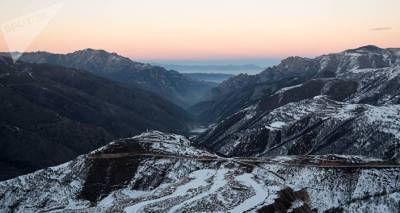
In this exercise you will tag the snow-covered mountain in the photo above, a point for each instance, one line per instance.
(344, 103)
(157, 172)
(312, 126)
(364, 75)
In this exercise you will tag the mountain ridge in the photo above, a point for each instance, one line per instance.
(178, 88)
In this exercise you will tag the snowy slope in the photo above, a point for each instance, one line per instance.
(349, 103)
(367, 74)
(157, 172)
(311, 126)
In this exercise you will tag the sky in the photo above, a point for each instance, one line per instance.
(206, 30)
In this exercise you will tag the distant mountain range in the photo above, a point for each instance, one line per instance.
(50, 114)
(226, 69)
(209, 77)
(172, 85)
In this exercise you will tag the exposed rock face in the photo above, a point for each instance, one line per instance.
(157, 172)
(178, 88)
(50, 115)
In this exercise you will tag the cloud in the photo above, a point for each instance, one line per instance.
(380, 28)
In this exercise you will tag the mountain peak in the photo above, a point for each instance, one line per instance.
(367, 48)
(91, 51)
(295, 64)
(294, 59)
(102, 55)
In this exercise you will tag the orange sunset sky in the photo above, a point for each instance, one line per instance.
(211, 29)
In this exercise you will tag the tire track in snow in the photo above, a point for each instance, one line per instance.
(258, 199)
(218, 182)
(199, 180)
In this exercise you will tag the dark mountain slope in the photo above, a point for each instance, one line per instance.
(172, 85)
(51, 114)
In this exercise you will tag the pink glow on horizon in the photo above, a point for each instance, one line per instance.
(189, 30)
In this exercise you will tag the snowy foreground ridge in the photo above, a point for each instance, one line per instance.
(157, 172)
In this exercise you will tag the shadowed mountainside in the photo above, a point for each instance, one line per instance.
(51, 114)
(172, 85)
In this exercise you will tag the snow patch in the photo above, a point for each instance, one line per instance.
(288, 88)
(276, 125)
